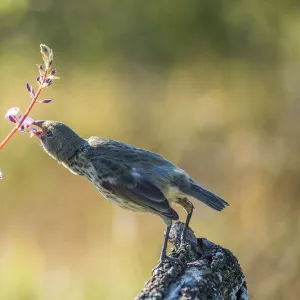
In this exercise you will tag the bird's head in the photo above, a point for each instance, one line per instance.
(59, 140)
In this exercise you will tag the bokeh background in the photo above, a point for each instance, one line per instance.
(211, 85)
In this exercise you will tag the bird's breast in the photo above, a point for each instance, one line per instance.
(119, 201)
(79, 165)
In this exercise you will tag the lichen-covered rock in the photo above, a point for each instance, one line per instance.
(204, 271)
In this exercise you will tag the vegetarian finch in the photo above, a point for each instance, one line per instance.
(133, 178)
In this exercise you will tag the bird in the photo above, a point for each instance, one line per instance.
(133, 178)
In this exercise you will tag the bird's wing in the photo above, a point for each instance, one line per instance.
(142, 192)
(121, 181)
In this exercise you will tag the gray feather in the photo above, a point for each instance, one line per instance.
(141, 192)
(207, 197)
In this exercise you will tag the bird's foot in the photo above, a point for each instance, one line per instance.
(165, 260)
(182, 241)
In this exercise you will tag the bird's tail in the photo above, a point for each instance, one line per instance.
(205, 196)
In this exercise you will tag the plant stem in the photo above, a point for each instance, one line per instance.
(18, 125)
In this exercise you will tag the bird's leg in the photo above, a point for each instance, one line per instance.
(163, 255)
(189, 208)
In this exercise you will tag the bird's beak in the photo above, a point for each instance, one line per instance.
(39, 133)
(39, 123)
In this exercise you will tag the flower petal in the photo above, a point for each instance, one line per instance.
(28, 121)
(12, 119)
(32, 92)
(1, 175)
(12, 112)
(33, 132)
(52, 77)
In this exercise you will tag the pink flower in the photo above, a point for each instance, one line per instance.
(12, 114)
(28, 122)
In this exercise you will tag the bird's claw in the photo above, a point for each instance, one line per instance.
(165, 260)
(182, 244)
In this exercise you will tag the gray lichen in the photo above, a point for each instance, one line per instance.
(205, 271)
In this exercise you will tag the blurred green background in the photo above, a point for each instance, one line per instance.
(211, 85)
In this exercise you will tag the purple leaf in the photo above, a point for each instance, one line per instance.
(46, 101)
(38, 79)
(53, 72)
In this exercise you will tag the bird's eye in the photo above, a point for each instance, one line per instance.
(49, 133)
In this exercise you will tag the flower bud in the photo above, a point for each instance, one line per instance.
(11, 114)
(45, 50)
(46, 101)
(12, 119)
(28, 87)
(40, 66)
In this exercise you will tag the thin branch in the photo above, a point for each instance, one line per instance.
(33, 102)
(44, 80)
